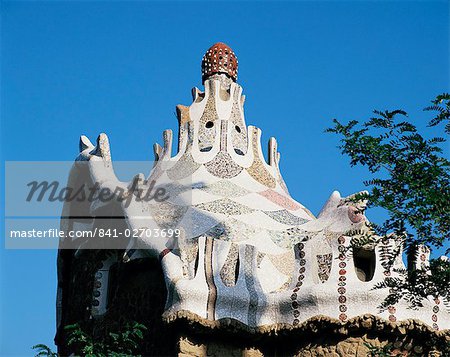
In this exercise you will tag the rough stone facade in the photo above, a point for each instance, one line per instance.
(332, 344)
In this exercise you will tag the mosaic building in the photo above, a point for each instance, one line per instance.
(228, 263)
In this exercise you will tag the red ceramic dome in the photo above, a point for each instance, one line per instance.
(219, 58)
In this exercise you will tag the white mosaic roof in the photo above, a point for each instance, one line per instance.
(247, 249)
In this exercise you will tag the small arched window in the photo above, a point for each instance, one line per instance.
(364, 260)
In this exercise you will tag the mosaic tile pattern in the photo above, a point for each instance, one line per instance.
(259, 257)
(182, 133)
(223, 166)
(424, 253)
(250, 284)
(285, 217)
(173, 189)
(188, 254)
(284, 263)
(239, 130)
(225, 83)
(102, 149)
(258, 169)
(385, 249)
(234, 230)
(283, 272)
(197, 223)
(228, 271)
(278, 173)
(342, 299)
(324, 262)
(219, 58)
(287, 238)
(280, 200)
(182, 114)
(212, 289)
(434, 317)
(392, 310)
(157, 171)
(186, 165)
(225, 206)
(225, 189)
(300, 255)
(208, 120)
(167, 215)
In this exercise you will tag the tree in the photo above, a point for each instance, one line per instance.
(44, 350)
(441, 105)
(121, 343)
(124, 342)
(410, 179)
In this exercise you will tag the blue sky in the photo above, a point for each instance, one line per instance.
(72, 68)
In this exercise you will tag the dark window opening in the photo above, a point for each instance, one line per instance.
(236, 271)
(364, 261)
(196, 264)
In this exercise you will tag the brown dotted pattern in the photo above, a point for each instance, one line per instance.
(219, 58)
(387, 273)
(342, 299)
(300, 253)
(434, 317)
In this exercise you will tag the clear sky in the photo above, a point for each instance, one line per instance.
(71, 68)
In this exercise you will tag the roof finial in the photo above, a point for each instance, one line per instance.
(219, 59)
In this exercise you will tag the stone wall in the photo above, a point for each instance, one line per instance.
(317, 339)
(352, 346)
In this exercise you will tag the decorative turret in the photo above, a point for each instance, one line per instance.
(246, 250)
(219, 59)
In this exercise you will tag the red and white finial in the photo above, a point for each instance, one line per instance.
(219, 59)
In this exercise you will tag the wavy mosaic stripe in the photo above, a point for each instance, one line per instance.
(286, 217)
(224, 188)
(250, 284)
(225, 206)
(280, 200)
(212, 289)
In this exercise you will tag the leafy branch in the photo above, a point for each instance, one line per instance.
(124, 342)
(410, 180)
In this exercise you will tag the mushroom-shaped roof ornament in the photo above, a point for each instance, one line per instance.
(219, 59)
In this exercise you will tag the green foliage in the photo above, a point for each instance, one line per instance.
(124, 342)
(411, 181)
(412, 284)
(441, 105)
(384, 351)
(44, 350)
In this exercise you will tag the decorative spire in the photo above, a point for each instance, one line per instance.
(219, 59)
